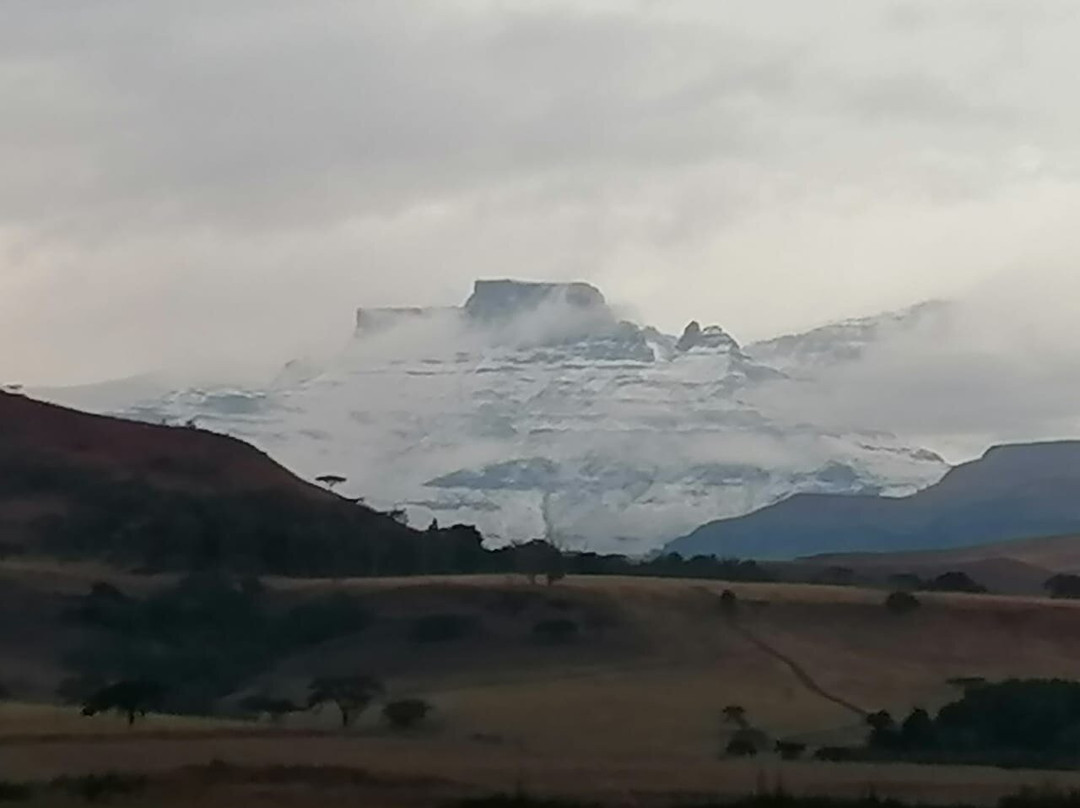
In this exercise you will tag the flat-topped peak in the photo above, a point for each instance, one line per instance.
(505, 298)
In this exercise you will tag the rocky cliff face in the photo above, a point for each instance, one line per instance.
(533, 411)
(503, 300)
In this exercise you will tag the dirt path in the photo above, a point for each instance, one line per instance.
(800, 673)
(805, 679)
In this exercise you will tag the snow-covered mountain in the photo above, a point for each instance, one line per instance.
(803, 355)
(533, 410)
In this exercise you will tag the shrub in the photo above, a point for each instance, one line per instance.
(406, 713)
(901, 602)
(556, 631)
(442, 627)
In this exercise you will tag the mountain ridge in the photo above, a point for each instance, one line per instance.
(1013, 491)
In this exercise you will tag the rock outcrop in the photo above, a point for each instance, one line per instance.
(501, 300)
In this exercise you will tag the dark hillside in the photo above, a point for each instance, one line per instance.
(1012, 492)
(74, 485)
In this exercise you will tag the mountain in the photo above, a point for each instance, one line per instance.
(802, 355)
(78, 485)
(534, 410)
(1012, 492)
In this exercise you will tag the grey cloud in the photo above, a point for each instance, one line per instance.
(275, 163)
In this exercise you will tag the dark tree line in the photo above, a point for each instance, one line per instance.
(199, 640)
(1018, 722)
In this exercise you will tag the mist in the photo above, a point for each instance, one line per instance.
(998, 365)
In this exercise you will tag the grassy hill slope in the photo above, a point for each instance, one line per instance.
(75, 485)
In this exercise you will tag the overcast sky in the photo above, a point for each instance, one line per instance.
(184, 185)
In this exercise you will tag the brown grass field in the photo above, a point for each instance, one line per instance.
(628, 714)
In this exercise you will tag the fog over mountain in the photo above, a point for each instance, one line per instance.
(535, 410)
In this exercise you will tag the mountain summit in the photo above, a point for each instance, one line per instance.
(495, 300)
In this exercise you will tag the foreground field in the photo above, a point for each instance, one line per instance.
(633, 707)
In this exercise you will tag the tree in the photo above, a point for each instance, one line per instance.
(1063, 586)
(133, 699)
(955, 581)
(406, 713)
(901, 602)
(350, 694)
(917, 731)
(882, 729)
(555, 568)
(736, 714)
(331, 481)
(538, 558)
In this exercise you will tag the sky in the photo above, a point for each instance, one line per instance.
(215, 185)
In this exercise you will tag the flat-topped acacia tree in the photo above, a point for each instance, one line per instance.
(331, 481)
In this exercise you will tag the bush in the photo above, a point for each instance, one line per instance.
(406, 713)
(442, 627)
(901, 603)
(556, 631)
